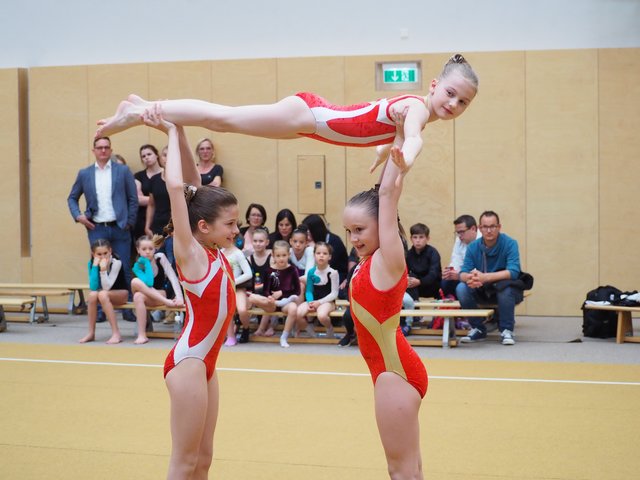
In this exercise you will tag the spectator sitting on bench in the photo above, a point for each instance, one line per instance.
(281, 290)
(152, 272)
(423, 264)
(490, 265)
(321, 291)
(466, 231)
(107, 286)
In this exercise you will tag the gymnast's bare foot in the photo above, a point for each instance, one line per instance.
(88, 338)
(114, 339)
(128, 114)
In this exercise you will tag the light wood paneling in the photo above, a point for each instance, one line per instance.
(10, 266)
(562, 178)
(59, 144)
(311, 184)
(619, 169)
(490, 167)
(107, 86)
(182, 80)
(250, 163)
(324, 76)
(549, 143)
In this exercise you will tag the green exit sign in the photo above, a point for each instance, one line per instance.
(400, 75)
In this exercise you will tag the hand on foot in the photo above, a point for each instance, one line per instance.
(152, 117)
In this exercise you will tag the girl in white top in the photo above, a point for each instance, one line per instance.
(301, 255)
(322, 288)
(242, 274)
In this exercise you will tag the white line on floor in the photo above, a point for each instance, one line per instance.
(337, 374)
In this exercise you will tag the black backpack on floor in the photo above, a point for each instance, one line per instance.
(600, 323)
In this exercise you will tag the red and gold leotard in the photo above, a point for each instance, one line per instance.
(360, 125)
(211, 303)
(376, 314)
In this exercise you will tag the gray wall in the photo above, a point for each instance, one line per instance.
(84, 32)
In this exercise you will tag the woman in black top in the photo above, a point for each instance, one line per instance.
(150, 160)
(319, 232)
(285, 225)
(210, 171)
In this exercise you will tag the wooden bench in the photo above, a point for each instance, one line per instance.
(20, 302)
(172, 335)
(448, 332)
(624, 332)
(42, 290)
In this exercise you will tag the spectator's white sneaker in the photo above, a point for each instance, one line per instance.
(507, 337)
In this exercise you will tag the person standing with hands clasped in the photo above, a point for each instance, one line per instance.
(203, 219)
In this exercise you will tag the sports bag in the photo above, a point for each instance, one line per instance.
(600, 323)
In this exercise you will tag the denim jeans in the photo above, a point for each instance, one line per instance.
(449, 286)
(506, 299)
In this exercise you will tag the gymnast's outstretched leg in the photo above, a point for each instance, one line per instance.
(282, 120)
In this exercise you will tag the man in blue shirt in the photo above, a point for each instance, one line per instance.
(490, 265)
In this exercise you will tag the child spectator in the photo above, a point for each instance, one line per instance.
(423, 263)
(260, 260)
(301, 252)
(242, 275)
(152, 270)
(107, 286)
(281, 290)
(321, 291)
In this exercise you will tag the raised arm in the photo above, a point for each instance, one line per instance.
(190, 172)
(388, 263)
(414, 122)
(190, 255)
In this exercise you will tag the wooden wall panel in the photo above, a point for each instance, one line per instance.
(562, 178)
(549, 143)
(181, 80)
(490, 166)
(324, 76)
(59, 141)
(107, 86)
(619, 169)
(10, 266)
(250, 163)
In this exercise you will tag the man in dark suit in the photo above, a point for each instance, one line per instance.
(112, 202)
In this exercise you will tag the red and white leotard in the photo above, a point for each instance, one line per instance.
(376, 314)
(362, 125)
(211, 303)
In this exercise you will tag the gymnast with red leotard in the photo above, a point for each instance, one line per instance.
(203, 218)
(308, 115)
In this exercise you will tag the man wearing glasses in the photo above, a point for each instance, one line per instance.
(112, 202)
(490, 266)
(466, 231)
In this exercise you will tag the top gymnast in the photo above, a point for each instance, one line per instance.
(308, 115)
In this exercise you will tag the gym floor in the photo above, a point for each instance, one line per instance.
(554, 406)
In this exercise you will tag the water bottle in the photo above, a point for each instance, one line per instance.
(257, 284)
